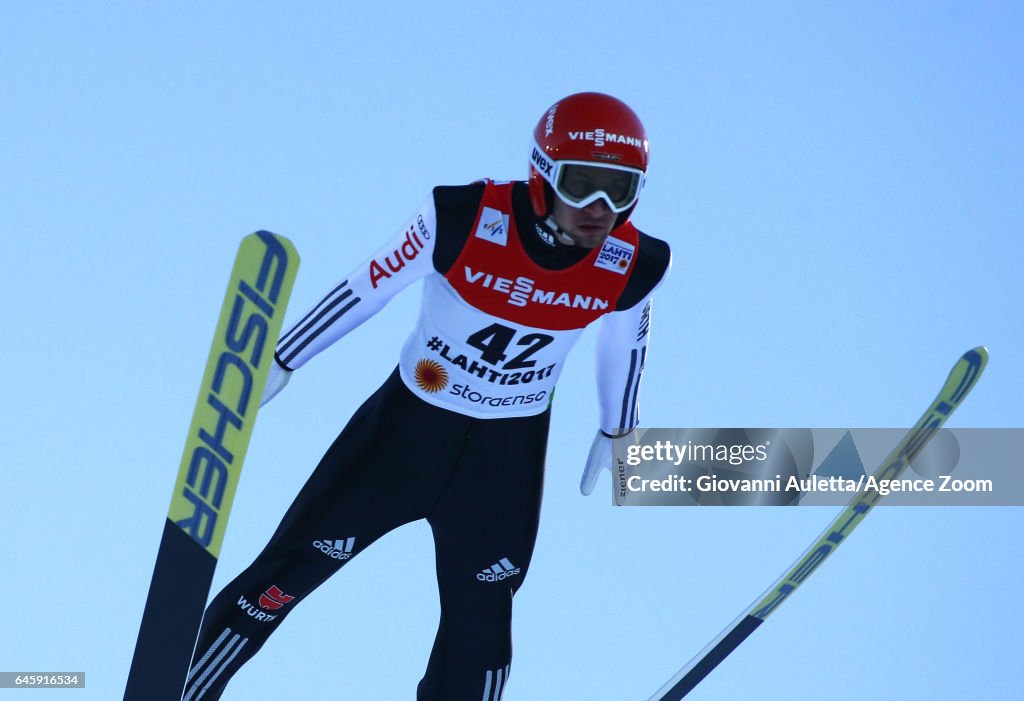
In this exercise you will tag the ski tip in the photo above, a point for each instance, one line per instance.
(966, 372)
(281, 245)
(977, 355)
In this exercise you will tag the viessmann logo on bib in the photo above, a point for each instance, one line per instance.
(523, 291)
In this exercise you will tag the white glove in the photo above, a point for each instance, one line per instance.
(601, 458)
(276, 381)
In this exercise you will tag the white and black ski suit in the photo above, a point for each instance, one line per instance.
(457, 435)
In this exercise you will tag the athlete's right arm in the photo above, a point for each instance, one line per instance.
(362, 293)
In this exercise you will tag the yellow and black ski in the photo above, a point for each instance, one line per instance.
(961, 380)
(236, 373)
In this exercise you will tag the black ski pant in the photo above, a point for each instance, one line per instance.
(477, 482)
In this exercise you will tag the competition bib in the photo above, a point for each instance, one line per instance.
(494, 331)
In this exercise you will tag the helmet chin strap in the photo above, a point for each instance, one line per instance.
(563, 237)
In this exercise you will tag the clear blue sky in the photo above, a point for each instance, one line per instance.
(842, 187)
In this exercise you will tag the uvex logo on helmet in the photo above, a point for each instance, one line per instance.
(540, 162)
(549, 125)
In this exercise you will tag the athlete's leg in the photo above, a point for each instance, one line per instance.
(485, 527)
(362, 488)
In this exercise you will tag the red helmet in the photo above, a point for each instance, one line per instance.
(588, 146)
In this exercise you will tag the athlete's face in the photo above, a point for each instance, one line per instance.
(586, 226)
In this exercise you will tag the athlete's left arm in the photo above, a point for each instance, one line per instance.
(621, 355)
(623, 337)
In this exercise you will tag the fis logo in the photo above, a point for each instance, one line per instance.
(615, 255)
(336, 549)
(502, 569)
(493, 226)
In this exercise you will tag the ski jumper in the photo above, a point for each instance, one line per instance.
(464, 417)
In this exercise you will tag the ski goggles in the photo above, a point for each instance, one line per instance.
(580, 183)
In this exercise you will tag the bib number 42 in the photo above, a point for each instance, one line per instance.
(493, 343)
